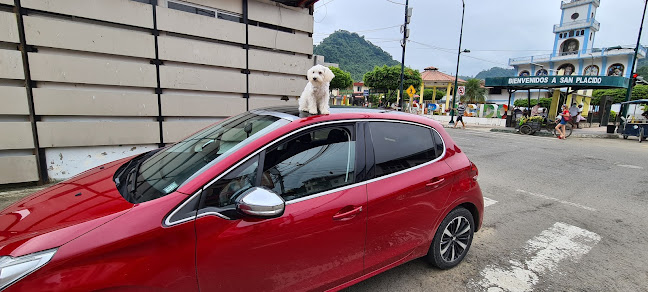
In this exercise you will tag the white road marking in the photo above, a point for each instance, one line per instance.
(557, 200)
(541, 254)
(630, 166)
(489, 202)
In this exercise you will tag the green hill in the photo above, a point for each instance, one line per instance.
(495, 72)
(354, 54)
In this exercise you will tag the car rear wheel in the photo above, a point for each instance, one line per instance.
(452, 240)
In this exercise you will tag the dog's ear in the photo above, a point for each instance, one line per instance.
(328, 74)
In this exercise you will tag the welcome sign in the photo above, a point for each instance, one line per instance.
(558, 81)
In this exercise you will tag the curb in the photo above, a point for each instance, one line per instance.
(547, 134)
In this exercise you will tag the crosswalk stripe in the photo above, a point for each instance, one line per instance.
(541, 254)
(557, 200)
(489, 202)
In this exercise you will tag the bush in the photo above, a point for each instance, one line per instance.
(544, 102)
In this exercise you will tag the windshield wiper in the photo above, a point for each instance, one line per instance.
(131, 180)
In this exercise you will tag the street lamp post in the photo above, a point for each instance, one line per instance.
(454, 90)
(624, 111)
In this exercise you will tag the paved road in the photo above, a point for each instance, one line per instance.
(566, 215)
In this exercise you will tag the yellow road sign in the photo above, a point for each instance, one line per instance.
(411, 91)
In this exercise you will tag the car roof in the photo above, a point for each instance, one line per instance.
(293, 113)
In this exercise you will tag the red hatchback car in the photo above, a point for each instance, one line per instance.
(263, 201)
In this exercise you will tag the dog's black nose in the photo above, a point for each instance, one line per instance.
(314, 78)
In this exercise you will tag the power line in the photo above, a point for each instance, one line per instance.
(395, 2)
(449, 51)
(324, 4)
(360, 31)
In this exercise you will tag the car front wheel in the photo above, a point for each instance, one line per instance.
(452, 240)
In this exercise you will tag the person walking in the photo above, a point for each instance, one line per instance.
(564, 119)
(461, 109)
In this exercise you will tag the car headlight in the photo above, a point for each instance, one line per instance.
(13, 269)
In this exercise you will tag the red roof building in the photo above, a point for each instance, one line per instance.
(433, 77)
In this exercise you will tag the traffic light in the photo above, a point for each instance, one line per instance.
(634, 79)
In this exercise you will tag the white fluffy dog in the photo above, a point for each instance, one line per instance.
(316, 94)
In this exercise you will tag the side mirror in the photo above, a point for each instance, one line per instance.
(260, 202)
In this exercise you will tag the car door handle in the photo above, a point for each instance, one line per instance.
(347, 215)
(435, 183)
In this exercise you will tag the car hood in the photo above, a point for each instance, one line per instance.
(61, 213)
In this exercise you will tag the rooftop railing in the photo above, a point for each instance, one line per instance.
(561, 56)
(572, 3)
(566, 26)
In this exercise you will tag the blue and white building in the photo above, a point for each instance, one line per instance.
(573, 50)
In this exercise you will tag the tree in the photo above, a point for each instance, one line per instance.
(619, 94)
(428, 93)
(388, 78)
(643, 72)
(342, 79)
(475, 93)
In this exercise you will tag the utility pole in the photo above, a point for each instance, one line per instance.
(624, 111)
(408, 16)
(454, 90)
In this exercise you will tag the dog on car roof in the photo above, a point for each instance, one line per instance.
(315, 96)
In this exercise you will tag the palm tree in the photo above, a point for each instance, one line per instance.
(475, 93)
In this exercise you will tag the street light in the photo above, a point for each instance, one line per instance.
(454, 91)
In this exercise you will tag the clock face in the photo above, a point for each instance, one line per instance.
(575, 16)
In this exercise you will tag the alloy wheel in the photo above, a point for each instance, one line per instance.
(455, 239)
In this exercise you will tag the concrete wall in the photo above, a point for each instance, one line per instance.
(105, 87)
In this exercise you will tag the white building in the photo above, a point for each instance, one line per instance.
(573, 49)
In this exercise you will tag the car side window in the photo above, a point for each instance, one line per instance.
(399, 146)
(312, 162)
(225, 190)
(438, 141)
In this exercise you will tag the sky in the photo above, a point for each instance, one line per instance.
(494, 30)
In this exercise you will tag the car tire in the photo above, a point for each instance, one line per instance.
(452, 239)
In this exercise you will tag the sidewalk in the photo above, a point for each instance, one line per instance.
(584, 132)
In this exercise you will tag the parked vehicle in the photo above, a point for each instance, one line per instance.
(263, 201)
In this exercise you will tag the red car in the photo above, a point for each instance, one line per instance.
(263, 201)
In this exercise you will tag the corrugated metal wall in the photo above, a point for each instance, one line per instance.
(110, 79)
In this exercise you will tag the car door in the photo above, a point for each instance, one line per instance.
(318, 242)
(409, 188)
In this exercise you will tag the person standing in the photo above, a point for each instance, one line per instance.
(535, 110)
(573, 112)
(579, 117)
(564, 119)
(461, 109)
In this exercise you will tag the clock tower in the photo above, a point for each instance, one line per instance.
(577, 29)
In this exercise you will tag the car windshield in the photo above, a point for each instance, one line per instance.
(152, 176)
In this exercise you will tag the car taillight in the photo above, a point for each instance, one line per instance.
(474, 172)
